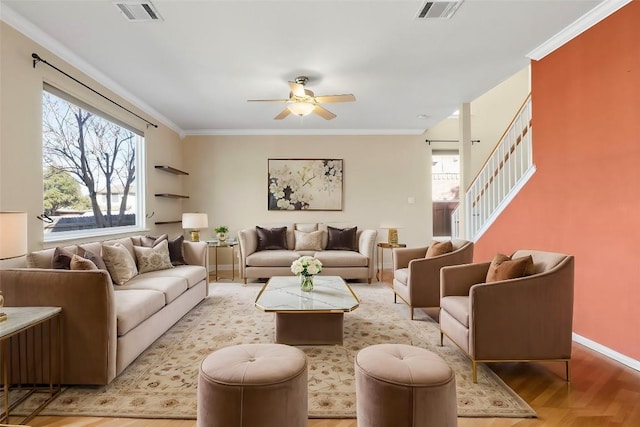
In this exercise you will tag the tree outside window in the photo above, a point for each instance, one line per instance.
(89, 166)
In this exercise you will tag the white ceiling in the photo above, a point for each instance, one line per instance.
(195, 70)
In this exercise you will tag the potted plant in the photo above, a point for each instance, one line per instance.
(221, 232)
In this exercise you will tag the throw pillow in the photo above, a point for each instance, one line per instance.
(79, 263)
(271, 238)
(152, 259)
(504, 268)
(150, 241)
(439, 248)
(120, 264)
(61, 259)
(342, 239)
(176, 252)
(96, 259)
(308, 241)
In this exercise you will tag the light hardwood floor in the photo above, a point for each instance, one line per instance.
(601, 393)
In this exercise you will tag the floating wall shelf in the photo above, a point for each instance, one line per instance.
(171, 170)
(168, 222)
(171, 196)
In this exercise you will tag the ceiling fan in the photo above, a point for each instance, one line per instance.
(303, 101)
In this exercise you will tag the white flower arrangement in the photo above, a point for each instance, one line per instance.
(306, 266)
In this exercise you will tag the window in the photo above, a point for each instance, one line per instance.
(445, 189)
(91, 168)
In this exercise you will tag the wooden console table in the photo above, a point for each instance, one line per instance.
(22, 325)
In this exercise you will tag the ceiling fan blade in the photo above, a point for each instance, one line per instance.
(267, 100)
(335, 98)
(297, 89)
(324, 113)
(284, 113)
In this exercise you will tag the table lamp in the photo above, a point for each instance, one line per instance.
(13, 240)
(195, 222)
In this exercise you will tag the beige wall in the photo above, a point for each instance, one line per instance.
(21, 135)
(228, 180)
(228, 175)
(491, 113)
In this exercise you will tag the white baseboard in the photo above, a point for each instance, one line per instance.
(606, 351)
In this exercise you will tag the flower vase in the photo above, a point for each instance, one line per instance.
(222, 237)
(306, 283)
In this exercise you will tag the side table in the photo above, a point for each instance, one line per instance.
(218, 245)
(21, 325)
(381, 247)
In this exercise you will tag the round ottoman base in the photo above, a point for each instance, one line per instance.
(403, 386)
(253, 385)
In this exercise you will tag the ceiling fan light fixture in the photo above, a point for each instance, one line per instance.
(301, 108)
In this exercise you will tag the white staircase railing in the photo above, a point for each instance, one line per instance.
(455, 222)
(506, 171)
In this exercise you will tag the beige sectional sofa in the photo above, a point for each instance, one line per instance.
(106, 326)
(354, 263)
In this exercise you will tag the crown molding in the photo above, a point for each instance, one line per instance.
(17, 21)
(577, 27)
(310, 132)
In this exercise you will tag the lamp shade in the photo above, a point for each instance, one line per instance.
(13, 234)
(301, 108)
(194, 221)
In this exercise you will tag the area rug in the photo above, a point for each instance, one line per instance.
(162, 382)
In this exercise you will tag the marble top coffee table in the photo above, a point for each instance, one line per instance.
(307, 317)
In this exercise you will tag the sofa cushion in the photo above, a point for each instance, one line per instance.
(193, 274)
(439, 248)
(61, 259)
(342, 239)
(151, 241)
(79, 263)
(457, 307)
(307, 227)
(401, 275)
(273, 258)
(120, 263)
(171, 286)
(270, 239)
(153, 258)
(176, 251)
(126, 241)
(40, 259)
(504, 268)
(341, 258)
(308, 241)
(92, 255)
(134, 306)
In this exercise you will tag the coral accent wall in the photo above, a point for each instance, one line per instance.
(585, 196)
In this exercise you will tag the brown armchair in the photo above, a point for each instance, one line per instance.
(523, 319)
(416, 279)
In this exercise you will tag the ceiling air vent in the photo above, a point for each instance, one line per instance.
(438, 9)
(138, 11)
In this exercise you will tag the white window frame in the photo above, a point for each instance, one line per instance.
(139, 180)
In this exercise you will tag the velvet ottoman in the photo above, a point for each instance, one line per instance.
(253, 385)
(400, 385)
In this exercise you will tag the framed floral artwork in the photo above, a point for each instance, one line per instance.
(305, 184)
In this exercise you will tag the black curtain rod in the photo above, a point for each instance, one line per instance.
(36, 59)
(429, 141)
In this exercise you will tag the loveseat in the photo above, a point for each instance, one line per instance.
(105, 326)
(270, 250)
